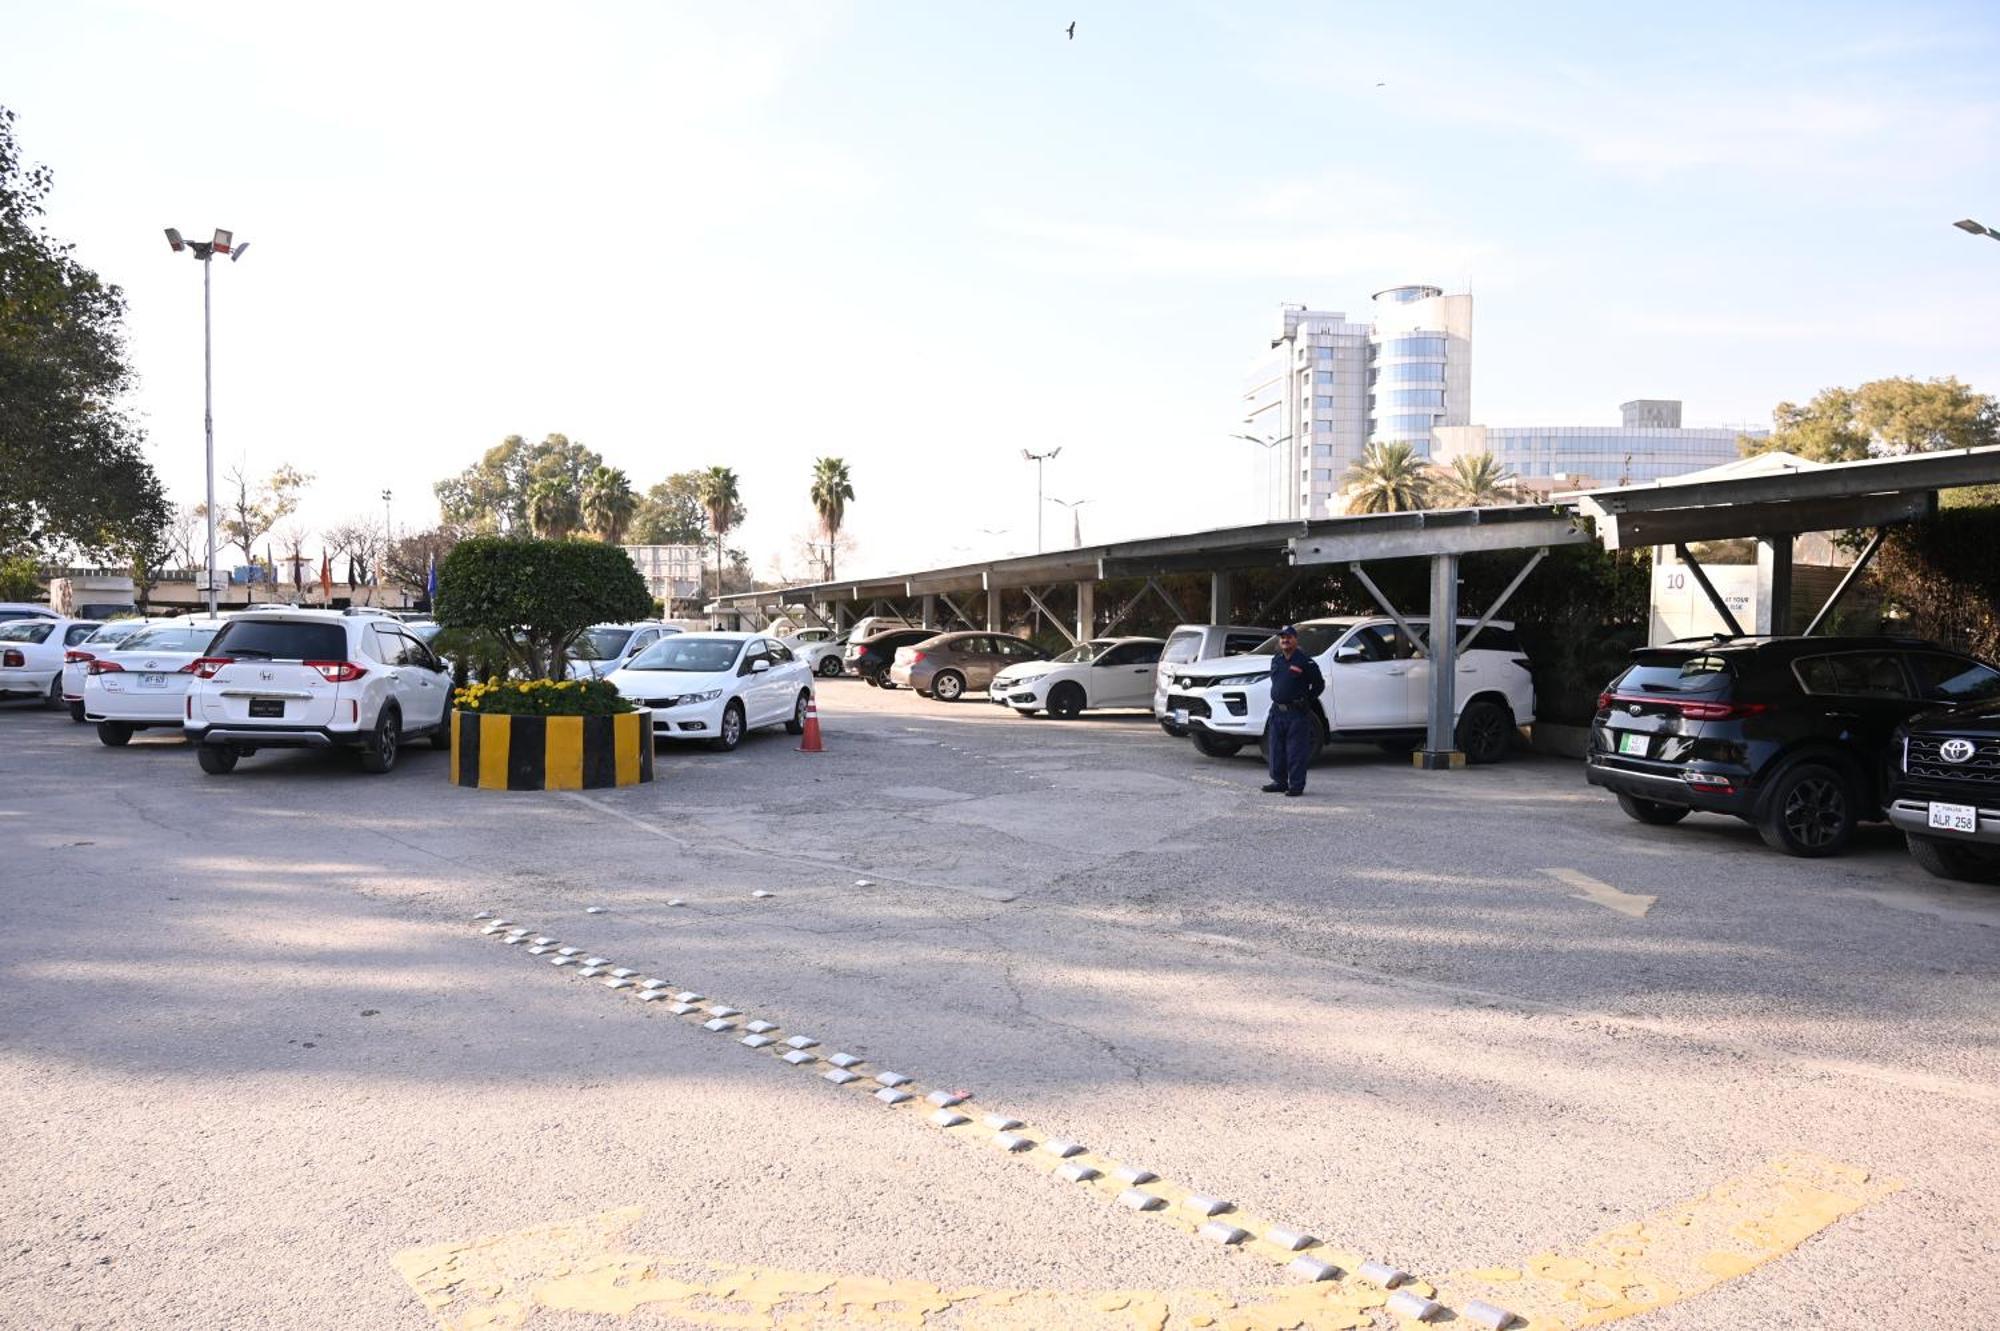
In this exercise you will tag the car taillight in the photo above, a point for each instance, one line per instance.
(11, 657)
(104, 668)
(1603, 701)
(916, 657)
(336, 672)
(207, 666)
(1721, 711)
(75, 657)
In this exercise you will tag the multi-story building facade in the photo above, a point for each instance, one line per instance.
(1649, 445)
(1329, 387)
(672, 572)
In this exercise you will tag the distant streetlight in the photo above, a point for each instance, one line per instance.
(1271, 446)
(223, 242)
(1976, 228)
(1076, 520)
(1038, 459)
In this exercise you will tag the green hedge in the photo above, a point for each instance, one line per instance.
(535, 598)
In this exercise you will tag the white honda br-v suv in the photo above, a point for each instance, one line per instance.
(315, 679)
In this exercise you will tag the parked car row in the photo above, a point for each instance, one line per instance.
(1803, 738)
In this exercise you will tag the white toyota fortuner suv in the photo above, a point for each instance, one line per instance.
(319, 679)
(1377, 689)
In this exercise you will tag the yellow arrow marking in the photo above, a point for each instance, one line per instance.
(570, 1270)
(1603, 893)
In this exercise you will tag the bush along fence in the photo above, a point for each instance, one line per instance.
(544, 734)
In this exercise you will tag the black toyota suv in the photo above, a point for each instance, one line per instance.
(1792, 735)
(1944, 786)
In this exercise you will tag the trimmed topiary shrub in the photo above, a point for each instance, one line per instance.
(535, 598)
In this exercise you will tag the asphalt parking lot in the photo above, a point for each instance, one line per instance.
(265, 1070)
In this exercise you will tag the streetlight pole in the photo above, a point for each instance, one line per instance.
(1976, 228)
(204, 251)
(1269, 445)
(1038, 459)
(1076, 519)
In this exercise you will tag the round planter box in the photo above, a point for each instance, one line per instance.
(551, 752)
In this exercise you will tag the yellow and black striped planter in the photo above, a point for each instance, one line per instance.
(551, 752)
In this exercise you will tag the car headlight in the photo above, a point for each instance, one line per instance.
(1238, 679)
(709, 696)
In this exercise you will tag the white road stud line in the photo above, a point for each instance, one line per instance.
(1601, 893)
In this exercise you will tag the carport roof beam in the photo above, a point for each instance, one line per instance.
(1708, 590)
(1410, 635)
(1773, 517)
(1450, 532)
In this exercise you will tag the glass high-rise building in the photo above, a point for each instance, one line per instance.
(1650, 445)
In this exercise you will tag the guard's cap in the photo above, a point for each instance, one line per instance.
(1289, 631)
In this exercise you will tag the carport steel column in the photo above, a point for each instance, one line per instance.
(1440, 738)
(1086, 610)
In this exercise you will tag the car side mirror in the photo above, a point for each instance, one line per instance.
(1344, 655)
(759, 666)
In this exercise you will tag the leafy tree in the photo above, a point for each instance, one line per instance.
(248, 509)
(73, 474)
(672, 513)
(409, 560)
(535, 598)
(1389, 478)
(831, 491)
(608, 503)
(1474, 480)
(21, 579)
(1881, 418)
(493, 495)
(722, 500)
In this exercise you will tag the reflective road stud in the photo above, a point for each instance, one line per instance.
(760, 893)
(650, 995)
(1382, 1274)
(799, 1058)
(756, 1041)
(590, 972)
(597, 961)
(1076, 1173)
(1140, 1200)
(682, 1009)
(892, 1079)
(623, 972)
(1001, 1123)
(1312, 1268)
(949, 1118)
(889, 1095)
(802, 1042)
(677, 902)
(718, 1025)
(1133, 1174)
(616, 983)
(1062, 1150)
(1291, 1240)
(1409, 1303)
(845, 1060)
(539, 951)
(1011, 1141)
(1221, 1231)
(593, 910)
(724, 1010)
(759, 1027)
(655, 984)
(562, 961)
(1201, 1205)
(688, 996)
(946, 1099)
(841, 1076)
(570, 951)
(1481, 1313)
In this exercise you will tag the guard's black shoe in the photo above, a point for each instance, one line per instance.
(1294, 794)
(1273, 788)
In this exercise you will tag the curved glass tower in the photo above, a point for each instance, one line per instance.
(1420, 369)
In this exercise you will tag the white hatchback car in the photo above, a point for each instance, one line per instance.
(1377, 689)
(1103, 672)
(315, 679)
(77, 658)
(820, 649)
(716, 686)
(31, 655)
(142, 682)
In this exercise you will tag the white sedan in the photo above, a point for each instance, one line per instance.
(716, 686)
(76, 658)
(143, 683)
(819, 648)
(31, 655)
(1103, 672)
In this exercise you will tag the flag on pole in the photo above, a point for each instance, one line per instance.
(326, 577)
(431, 581)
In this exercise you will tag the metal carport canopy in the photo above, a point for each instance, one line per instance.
(1441, 537)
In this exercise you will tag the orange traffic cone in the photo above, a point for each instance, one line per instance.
(811, 743)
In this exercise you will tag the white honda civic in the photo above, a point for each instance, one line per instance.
(143, 682)
(716, 686)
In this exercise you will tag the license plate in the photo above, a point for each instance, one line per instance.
(1633, 742)
(1180, 716)
(1954, 817)
(152, 680)
(267, 707)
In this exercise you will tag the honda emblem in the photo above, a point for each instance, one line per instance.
(266, 676)
(1957, 750)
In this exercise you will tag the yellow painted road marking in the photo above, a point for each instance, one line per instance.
(1604, 894)
(572, 1271)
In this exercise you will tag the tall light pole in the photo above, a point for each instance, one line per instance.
(1076, 519)
(1038, 459)
(1976, 228)
(223, 242)
(1269, 445)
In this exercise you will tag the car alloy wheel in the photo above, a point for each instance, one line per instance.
(947, 687)
(384, 744)
(731, 733)
(1815, 811)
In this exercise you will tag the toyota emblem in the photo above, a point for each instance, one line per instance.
(1957, 750)
(152, 665)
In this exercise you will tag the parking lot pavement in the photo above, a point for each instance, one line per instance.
(1476, 1025)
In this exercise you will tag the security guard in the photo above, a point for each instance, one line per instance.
(1296, 683)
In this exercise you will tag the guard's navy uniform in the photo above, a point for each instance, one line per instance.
(1296, 683)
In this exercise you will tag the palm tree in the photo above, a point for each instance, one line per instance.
(608, 503)
(831, 489)
(552, 508)
(1476, 480)
(1389, 478)
(719, 495)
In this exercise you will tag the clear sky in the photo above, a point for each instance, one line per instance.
(923, 235)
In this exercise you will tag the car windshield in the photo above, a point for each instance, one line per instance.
(111, 633)
(1082, 653)
(1313, 640)
(171, 638)
(260, 638)
(704, 656)
(601, 644)
(27, 630)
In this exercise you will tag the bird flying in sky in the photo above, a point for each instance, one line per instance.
(1071, 30)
